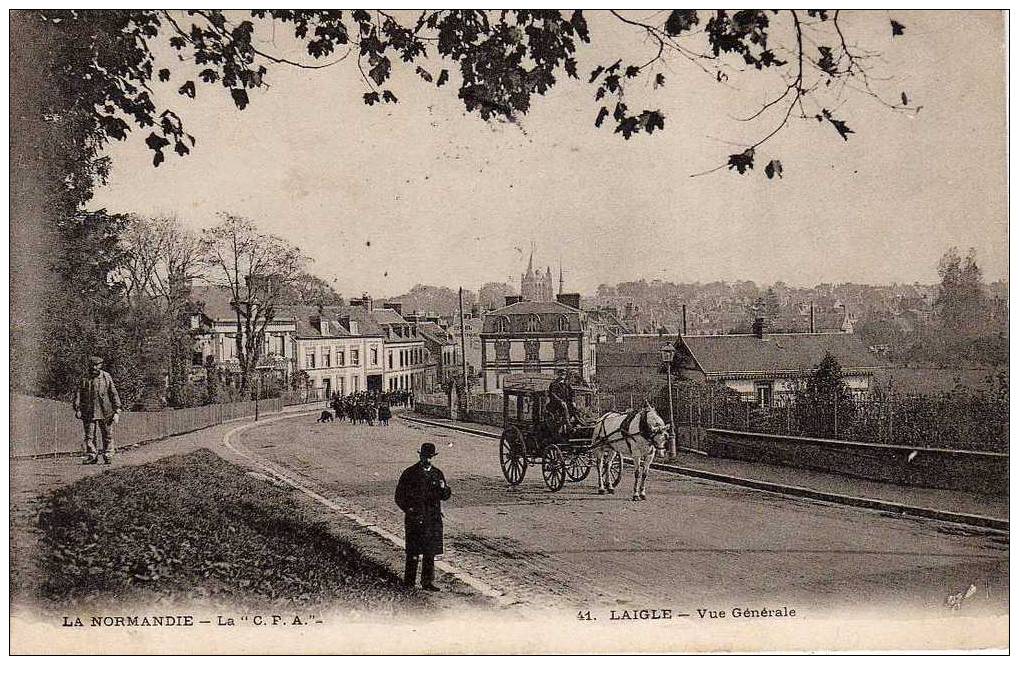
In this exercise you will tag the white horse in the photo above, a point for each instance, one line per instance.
(639, 434)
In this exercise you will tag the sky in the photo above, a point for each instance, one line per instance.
(385, 197)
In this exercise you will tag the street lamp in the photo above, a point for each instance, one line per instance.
(668, 352)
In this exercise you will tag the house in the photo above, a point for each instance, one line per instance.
(527, 336)
(336, 353)
(216, 327)
(471, 340)
(439, 344)
(404, 362)
(767, 367)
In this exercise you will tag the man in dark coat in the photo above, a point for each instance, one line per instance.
(560, 394)
(97, 404)
(419, 494)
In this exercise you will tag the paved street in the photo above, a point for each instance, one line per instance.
(693, 544)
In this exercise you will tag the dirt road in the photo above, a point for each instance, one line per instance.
(693, 545)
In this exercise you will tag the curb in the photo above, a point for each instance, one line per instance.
(340, 507)
(971, 519)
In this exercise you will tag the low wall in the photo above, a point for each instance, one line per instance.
(489, 417)
(970, 471)
(42, 426)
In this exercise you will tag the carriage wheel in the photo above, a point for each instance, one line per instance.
(616, 469)
(578, 465)
(553, 467)
(513, 456)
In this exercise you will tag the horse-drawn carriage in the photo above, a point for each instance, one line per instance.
(535, 435)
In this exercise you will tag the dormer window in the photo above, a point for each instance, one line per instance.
(533, 323)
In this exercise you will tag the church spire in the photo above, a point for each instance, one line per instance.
(530, 261)
(560, 276)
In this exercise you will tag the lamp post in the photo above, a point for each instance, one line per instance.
(668, 352)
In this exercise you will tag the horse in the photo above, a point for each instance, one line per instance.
(639, 434)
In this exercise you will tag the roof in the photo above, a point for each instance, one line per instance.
(534, 382)
(217, 304)
(366, 324)
(306, 324)
(534, 307)
(777, 353)
(434, 332)
(387, 316)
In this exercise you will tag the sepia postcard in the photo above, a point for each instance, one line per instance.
(508, 331)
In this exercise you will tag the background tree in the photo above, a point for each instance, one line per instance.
(308, 289)
(492, 295)
(257, 268)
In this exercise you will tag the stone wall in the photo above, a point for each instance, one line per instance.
(969, 471)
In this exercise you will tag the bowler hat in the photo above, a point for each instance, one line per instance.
(428, 450)
(96, 361)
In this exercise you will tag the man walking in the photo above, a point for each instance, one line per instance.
(97, 404)
(419, 494)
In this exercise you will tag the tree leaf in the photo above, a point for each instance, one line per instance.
(187, 89)
(423, 74)
(681, 20)
(659, 80)
(389, 97)
(371, 98)
(897, 28)
(602, 114)
(773, 168)
(443, 78)
(164, 74)
(240, 97)
(905, 99)
(742, 161)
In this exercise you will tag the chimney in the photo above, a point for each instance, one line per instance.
(395, 306)
(364, 301)
(811, 317)
(759, 328)
(513, 299)
(569, 299)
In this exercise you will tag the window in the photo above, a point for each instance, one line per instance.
(502, 325)
(562, 350)
(355, 359)
(309, 359)
(403, 358)
(502, 350)
(390, 360)
(533, 323)
(327, 357)
(356, 381)
(375, 356)
(340, 357)
(564, 323)
(764, 394)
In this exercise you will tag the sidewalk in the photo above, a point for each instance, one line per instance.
(959, 507)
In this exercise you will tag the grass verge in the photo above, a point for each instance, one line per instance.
(195, 527)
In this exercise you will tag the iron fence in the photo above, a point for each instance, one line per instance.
(958, 420)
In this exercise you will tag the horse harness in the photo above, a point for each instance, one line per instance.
(643, 429)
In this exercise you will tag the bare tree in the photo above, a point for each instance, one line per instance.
(256, 267)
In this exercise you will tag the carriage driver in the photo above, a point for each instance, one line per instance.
(561, 393)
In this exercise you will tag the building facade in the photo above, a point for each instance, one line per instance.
(536, 337)
(768, 368)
